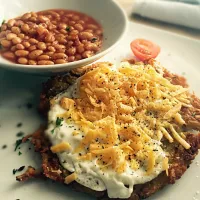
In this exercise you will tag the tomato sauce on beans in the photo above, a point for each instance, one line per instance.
(50, 37)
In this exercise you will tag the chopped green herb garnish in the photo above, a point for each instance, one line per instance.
(19, 124)
(19, 153)
(1, 46)
(18, 143)
(58, 123)
(4, 146)
(20, 134)
(93, 39)
(18, 170)
(3, 22)
(68, 28)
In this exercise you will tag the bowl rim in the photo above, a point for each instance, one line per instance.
(72, 65)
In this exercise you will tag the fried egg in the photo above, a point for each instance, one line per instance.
(107, 127)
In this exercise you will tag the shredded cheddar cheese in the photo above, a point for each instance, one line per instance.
(63, 146)
(122, 112)
(72, 177)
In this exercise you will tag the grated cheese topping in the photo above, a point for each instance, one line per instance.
(123, 115)
(126, 107)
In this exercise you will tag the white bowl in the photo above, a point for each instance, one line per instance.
(107, 12)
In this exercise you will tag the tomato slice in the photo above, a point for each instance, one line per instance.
(144, 49)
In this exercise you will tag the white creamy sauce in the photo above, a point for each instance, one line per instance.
(118, 185)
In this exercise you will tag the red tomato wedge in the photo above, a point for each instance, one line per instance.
(144, 49)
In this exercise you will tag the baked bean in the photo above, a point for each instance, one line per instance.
(33, 41)
(21, 35)
(16, 40)
(43, 57)
(61, 12)
(33, 19)
(56, 56)
(54, 14)
(26, 16)
(49, 16)
(34, 54)
(26, 44)
(10, 36)
(9, 55)
(21, 53)
(91, 46)
(77, 42)
(11, 23)
(54, 22)
(20, 47)
(32, 48)
(74, 32)
(78, 27)
(62, 26)
(49, 38)
(87, 54)
(62, 41)
(71, 58)
(71, 51)
(84, 42)
(56, 31)
(75, 17)
(52, 49)
(42, 18)
(1, 39)
(59, 46)
(15, 30)
(71, 23)
(92, 26)
(41, 30)
(63, 31)
(89, 30)
(60, 61)
(32, 31)
(13, 48)
(45, 62)
(41, 45)
(4, 27)
(86, 35)
(32, 62)
(70, 43)
(52, 26)
(49, 53)
(19, 23)
(81, 22)
(22, 60)
(72, 37)
(78, 57)
(26, 37)
(99, 32)
(25, 28)
(6, 43)
(65, 19)
(80, 48)
(33, 14)
(70, 15)
(2, 34)
(8, 31)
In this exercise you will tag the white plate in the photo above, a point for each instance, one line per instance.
(178, 54)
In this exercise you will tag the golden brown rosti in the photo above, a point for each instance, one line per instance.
(179, 159)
